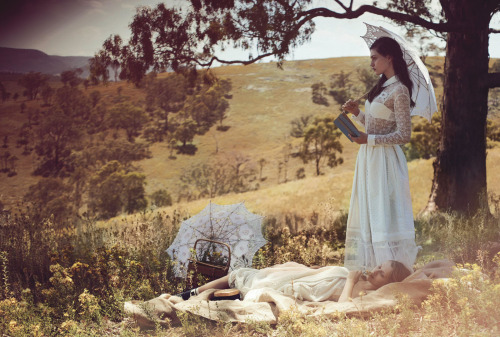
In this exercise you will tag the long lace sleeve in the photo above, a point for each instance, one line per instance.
(402, 134)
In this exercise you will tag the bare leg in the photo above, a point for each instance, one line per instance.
(220, 283)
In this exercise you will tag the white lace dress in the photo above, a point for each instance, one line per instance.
(291, 279)
(380, 223)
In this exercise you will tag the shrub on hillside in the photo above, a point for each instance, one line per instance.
(114, 189)
(161, 198)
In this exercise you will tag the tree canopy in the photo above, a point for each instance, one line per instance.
(321, 143)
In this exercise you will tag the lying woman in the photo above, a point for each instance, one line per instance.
(316, 284)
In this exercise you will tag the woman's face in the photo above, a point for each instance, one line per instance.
(379, 63)
(381, 274)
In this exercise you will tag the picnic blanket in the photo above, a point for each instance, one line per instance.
(267, 305)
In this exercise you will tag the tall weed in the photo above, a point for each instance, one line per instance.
(313, 244)
(459, 238)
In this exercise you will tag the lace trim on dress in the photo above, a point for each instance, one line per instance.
(366, 255)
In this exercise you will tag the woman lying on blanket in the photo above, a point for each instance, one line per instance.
(316, 284)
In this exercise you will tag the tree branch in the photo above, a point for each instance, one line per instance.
(350, 14)
(493, 80)
(215, 58)
(343, 6)
(495, 31)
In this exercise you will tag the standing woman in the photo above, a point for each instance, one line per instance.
(380, 223)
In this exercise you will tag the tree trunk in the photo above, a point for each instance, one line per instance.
(459, 182)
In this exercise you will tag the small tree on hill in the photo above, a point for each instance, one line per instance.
(298, 126)
(321, 142)
(55, 138)
(51, 197)
(4, 160)
(165, 97)
(262, 163)
(98, 66)
(71, 77)
(186, 131)
(73, 103)
(60, 131)
(161, 198)
(133, 192)
(112, 189)
(341, 88)
(47, 92)
(12, 166)
(318, 94)
(129, 118)
(33, 82)
(368, 77)
(216, 100)
(4, 95)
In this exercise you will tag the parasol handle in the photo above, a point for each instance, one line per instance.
(357, 99)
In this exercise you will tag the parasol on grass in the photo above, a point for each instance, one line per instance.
(230, 224)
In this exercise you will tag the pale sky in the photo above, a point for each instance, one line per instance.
(79, 27)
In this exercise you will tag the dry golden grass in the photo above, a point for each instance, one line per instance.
(326, 195)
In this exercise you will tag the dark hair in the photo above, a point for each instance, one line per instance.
(399, 272)
(386, 46)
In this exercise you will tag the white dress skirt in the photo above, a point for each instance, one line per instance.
(291, 279)
(380, 224)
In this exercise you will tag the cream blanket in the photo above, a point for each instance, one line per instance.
(268, 303)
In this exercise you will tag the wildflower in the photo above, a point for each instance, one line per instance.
(68, 326)
(463, 301)
(14, 327)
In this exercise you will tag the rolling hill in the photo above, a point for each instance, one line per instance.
(13, 60)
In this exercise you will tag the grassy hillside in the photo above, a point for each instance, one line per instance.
(265, 100)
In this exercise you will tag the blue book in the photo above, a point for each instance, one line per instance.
(345, 125)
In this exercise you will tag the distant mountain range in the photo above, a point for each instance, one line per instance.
(15, 60)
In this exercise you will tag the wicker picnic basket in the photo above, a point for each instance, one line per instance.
(200, 272)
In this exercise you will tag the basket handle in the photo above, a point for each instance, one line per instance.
(217, 242)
